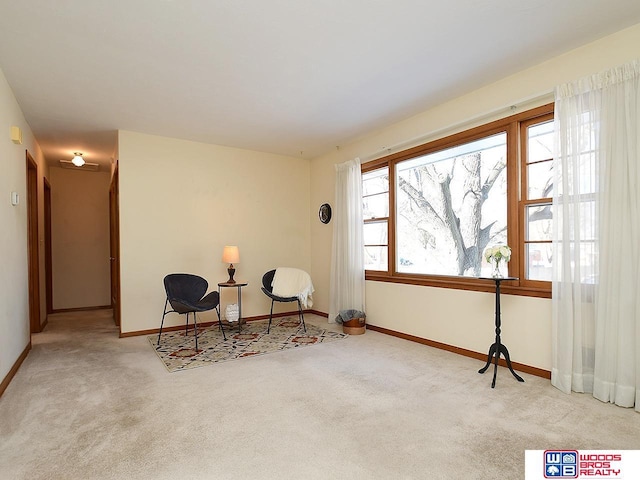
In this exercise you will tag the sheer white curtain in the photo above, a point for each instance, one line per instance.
(596, 285)
(347, 256)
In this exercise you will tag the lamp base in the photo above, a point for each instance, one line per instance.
(231, 271)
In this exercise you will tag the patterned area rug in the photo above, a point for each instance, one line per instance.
(177, 351)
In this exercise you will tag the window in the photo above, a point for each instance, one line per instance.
(375, 203)
(580, 182)
(431, 211)
(451, 204)
(536, 204)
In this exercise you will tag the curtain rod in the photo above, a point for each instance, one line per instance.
(528, 102)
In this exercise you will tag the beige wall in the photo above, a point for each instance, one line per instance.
(267, 204)
(14, 294)
(181, 202)
(462, 318)
(80, 238)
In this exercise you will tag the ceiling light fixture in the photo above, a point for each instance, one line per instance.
(78, 161)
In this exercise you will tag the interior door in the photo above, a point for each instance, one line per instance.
(48, 262)
(32, 245)
(114, 243)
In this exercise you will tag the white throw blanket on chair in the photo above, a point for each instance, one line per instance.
(292, 282)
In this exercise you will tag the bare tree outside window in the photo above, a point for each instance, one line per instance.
(451, 205)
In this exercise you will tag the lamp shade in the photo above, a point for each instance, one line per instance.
(231, 254)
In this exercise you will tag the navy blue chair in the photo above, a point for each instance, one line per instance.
(185, 295)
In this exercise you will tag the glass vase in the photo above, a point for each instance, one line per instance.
(497, 273)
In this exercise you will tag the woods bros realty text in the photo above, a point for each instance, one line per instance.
(599, 465)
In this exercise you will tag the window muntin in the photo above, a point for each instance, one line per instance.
(451, 204)
(375, 206)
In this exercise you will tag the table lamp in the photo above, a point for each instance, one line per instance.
(231, 255)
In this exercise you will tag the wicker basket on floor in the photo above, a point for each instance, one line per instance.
(355, 326)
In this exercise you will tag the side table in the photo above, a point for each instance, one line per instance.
(239, 286)
(498, 347)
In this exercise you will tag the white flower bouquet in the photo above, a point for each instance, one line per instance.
(498, 253)
(495, 255)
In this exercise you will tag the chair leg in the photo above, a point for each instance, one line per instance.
(195, 329)
(162, 322)
(270, 317)
(220, 324)
(301, 315)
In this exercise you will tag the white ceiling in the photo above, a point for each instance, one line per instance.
(282, 76)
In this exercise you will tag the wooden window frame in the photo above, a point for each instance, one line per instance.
(516, 174)
(524, 200)
(370, 167)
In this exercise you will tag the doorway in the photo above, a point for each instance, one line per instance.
(114, 244)
(48, 262)
(32, 245)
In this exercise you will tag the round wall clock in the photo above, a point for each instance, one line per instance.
(325, 213)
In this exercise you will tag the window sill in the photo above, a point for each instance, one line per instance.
(461, 283)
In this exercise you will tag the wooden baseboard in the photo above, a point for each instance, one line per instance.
(80, 309)
(539, 372)
(153, 331)
(7, 379)
(275, 315)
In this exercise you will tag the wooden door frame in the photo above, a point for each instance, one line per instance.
(35, 325)
(114, 244)
(48, 258)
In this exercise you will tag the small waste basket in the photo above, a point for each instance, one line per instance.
(232, 313)
(353, 321)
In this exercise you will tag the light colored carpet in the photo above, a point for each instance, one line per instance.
(178, 352)
(87, 405)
